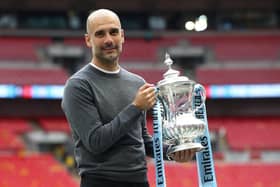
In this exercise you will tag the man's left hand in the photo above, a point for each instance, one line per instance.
(183, 156)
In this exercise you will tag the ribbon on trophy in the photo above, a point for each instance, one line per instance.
(204, 158)
(157, 143)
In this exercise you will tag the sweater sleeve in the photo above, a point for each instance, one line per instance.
(82, 114)
(148, 140)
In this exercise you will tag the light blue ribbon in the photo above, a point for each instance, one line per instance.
(157, 143)
(204, 158)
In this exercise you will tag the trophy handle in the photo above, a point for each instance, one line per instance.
(201, 94)
(162, 105)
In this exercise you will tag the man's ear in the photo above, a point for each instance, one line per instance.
(87, 40)
(122, 35)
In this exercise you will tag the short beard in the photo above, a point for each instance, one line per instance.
(108, 59)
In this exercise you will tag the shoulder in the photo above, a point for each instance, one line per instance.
(132, 75)
(83, 73)
(80, 78)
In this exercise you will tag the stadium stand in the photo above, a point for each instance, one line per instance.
(238, 145)
(49, 124)
(249, 133)
(10, 142)
(226, 48)
(11, 131)
(17, 126)
(248, 47)
(152, 75)
(34, 170)
(237, 75)
(27, 76)
(228, 174)
(246, 148)
(22, 49)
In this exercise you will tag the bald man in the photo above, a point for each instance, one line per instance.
(106, 106)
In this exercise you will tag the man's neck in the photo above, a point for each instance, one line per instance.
(106, 66)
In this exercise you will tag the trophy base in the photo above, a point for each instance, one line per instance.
(186, 146)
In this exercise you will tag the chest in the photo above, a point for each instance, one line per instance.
(110, 98)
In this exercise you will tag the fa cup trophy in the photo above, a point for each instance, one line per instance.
(179, 119)
(180, 127)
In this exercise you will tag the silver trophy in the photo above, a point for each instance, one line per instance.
(180, 127)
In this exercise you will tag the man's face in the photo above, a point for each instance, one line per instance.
(105, 38)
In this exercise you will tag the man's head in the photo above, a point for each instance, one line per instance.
(105, 36)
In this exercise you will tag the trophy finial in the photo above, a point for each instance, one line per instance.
(171, 72)
(168, 61)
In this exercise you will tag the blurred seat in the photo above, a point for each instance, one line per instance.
(34, 75)
(250, 133)
(49, 124)
(249, 47)
(227, 174)
(75, 41)
(237, 75)
(17, 126)
(151, 75)
(21, 49)
(140, 50)
(11, 130)
(34, 170)
(10, 142)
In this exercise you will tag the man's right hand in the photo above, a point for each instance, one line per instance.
(145, 97)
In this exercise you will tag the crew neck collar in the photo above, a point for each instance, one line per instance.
(105, 71)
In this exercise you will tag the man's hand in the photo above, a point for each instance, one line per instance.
(183, 156)
(145, 97)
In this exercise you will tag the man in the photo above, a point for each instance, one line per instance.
(106, 106)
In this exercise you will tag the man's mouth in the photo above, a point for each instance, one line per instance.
(109, 48)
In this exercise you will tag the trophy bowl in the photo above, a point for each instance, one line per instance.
(180, 127)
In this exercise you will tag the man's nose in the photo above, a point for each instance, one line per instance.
(108, 38)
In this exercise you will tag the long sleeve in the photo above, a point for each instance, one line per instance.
(148, 140)
(83, 115)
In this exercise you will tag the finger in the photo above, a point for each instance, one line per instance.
(152, 101)
(172, 156)
(149, 84)
(193, 152)
(178, 157)
(182, 155)
(189, 155)
(149, 90)
(144, 87)
(151, 96)
(186, 156)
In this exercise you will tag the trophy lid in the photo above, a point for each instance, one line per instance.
(171, 75)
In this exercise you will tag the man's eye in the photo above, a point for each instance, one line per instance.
(114, 31)
(99, 34)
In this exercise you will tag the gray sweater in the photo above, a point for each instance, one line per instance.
(110, 134)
